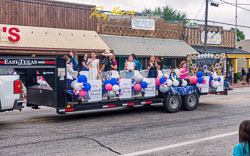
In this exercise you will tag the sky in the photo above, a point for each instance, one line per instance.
(224, 13)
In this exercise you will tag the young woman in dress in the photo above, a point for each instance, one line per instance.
(129, 67)
(85, 63)
(183, 70)
(152, 68)
(93, 64)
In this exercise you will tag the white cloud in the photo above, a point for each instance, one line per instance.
(223, 13)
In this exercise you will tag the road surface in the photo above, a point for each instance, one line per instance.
(210, 130)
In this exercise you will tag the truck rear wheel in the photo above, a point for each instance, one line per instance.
(190, 102)
(172, 103)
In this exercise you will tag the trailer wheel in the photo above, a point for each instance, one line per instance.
(172, 103)
(190, 102)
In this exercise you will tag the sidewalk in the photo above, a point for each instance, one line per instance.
(239, 84)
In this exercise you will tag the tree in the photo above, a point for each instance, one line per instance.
(240, 34)
(168, 13)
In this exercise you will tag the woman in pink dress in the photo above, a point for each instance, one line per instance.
(183, 70)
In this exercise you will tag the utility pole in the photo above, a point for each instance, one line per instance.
(206, 29)
(236, 20)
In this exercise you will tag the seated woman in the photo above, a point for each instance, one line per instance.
(152, 68)
(130, 67)
(183, 70)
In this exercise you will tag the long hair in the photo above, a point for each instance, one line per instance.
(134, 57)
(244, 134)
(155, 62)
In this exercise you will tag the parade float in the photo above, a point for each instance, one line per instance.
(84, 94)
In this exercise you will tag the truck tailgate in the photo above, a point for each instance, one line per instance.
(7, 96)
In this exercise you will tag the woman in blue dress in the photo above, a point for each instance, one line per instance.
(242, 149)
(85, 63)
(152, 68)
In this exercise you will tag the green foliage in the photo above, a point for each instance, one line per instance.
(168, 13)
(240, 34)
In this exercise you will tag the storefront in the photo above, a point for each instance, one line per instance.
(40, 41)
(173, 51)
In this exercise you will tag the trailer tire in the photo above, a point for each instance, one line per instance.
(190, 102)
(172, 103)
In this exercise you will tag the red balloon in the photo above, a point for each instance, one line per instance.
(108, 87)
(193, 79)
(137, 87)
(157, 81)
(204, 81)
(82, 93)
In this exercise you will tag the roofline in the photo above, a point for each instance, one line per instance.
(66, 2)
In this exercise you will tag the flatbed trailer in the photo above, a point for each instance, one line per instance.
(53, 70)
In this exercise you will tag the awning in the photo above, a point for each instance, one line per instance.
(42, 38)
(218, 50)
(126, 45)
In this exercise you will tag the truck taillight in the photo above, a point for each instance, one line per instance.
(17, 87)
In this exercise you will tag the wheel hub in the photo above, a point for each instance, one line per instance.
(174, 102)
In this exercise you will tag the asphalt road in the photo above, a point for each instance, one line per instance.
(210, 130)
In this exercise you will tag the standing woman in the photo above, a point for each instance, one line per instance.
(93, 65)
(71, 74)
(106, 65)
(183, 70)
(74, 61)
(152, 68)
(230, 75)
(129, 67)
(85, 63)
(114, 65)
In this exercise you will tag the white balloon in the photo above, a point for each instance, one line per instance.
(216, 84)
(184, 83)
(169, 82)
(115, 88)
(142, 90)
(199, 85)
(73, 83)
(138, 78)
(77, 92)
(166, 75)
(77, 86)
(215, 78)
(111, 94)
(176, 83)
(163, 88)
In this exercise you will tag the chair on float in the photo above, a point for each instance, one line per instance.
(144, 73)
(166, 71)
(86, 73)
(160, 74)
(115, 74)
(123, 74)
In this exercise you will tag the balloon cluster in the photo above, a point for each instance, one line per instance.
(140, 83)
(214, 80)
(200, 79)
(113, 87)
(81, 86)
(164, 82)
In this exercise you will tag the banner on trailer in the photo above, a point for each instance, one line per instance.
(221, 86)
(126, 88)
(150, 90)
(205, 87)
(95, 93)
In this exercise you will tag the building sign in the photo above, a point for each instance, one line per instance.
(143, 24)
(212, 37)
(98, 12)
(10, 34)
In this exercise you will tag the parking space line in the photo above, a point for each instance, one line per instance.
(157, 149)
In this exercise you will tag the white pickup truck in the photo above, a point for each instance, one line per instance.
(10, 88)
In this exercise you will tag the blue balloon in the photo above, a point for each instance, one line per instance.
(219, 79)
(170, 77)
(82, 79)
(113, 81)
(87, 86)
(118, 83)
(119, 90)
(211, 78)
(199, 74)
(162, 80)
(200, 80)
(144, 84)
(106, 82)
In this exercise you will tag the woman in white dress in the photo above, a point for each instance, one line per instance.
(93, 64)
